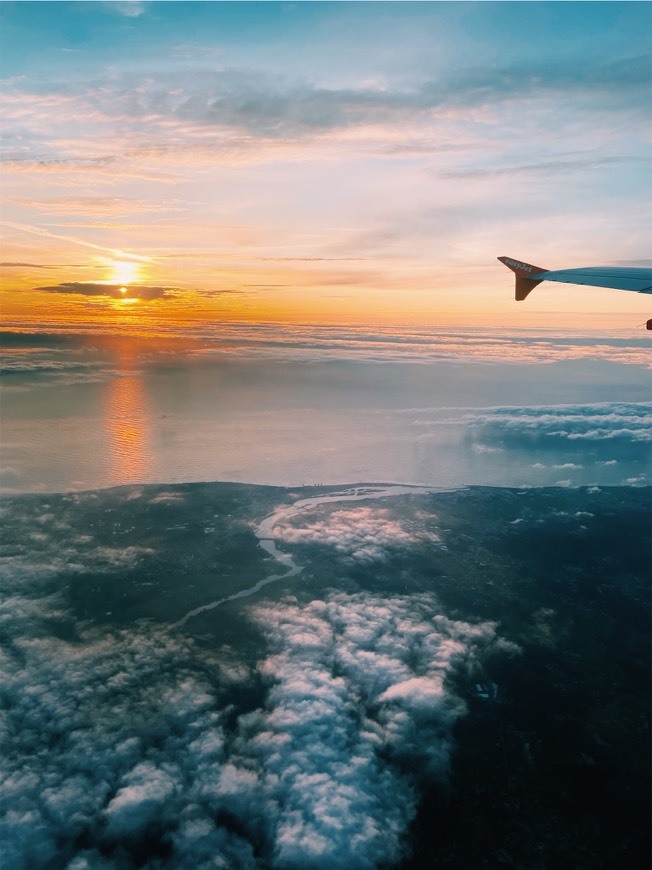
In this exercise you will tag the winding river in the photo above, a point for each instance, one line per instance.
(265, 534)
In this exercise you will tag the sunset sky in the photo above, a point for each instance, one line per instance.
(172, 163)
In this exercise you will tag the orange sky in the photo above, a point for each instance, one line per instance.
(161, 172)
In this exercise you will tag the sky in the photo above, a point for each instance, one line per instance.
(169, 164)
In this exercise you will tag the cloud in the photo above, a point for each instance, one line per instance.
(125, 747)
(45, 364)
(261, 103)
(423, 345)
(547, 167)
(96, 205)
(362, 534)
(133, 291)
(167, 498)
(85, 746)
(611, 421)
(103, 169)
(273, 109)
(542, 77)
(128, 8)
(41, 231)
(358, 711)
(25, 266)
(144, 792)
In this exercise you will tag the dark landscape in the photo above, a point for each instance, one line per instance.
(532, 750)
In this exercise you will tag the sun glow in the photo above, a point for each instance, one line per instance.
(123, 272)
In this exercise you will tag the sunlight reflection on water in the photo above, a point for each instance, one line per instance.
(127, 422)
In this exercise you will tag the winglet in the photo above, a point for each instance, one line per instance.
(525, 283)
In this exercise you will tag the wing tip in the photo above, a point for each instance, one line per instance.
(525, 283)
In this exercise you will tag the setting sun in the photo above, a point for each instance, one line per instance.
(123, 272)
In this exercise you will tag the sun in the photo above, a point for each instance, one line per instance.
(123, 273)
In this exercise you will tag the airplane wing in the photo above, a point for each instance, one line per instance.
(617, 277)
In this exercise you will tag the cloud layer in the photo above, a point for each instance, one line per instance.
(130, 747)
(617, 421)
(358, 712)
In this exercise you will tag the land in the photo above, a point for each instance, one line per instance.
(551, 763)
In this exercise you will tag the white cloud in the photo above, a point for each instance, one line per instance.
(357, 683)
(128, 8)
(122, 739)
(167, 498)
(146, 791)
(601, 422)
(363, 534)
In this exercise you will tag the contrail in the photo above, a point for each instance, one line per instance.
(39, 231)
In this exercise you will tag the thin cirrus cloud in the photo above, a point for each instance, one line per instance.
(95, 205)
(102, 169)
(548, 167)
(128, 8)
(26, 266)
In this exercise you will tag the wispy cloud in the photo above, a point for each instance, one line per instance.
(96, 205)
(274, 107)
(309, 259)
(40, 231)
(263, 104)
(103, 169)
(546, 167)
(128, 8)
(26, 266)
